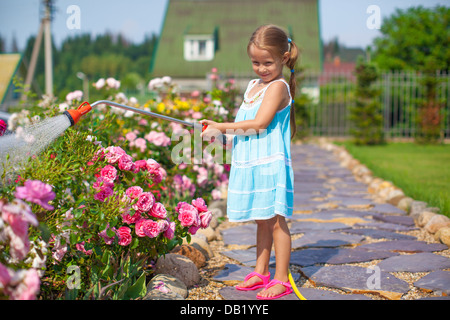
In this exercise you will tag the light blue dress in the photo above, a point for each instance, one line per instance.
(261, 183)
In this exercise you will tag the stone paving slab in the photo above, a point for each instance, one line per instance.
(325, 239)
(410, 246)
(387, 208)
(242, 235)
(438, 282)
(246, 257)
(386, 226)
(357, 280)
(312, 256)
(418, 262)
(305, 226)
(403, 220)
(380, 234)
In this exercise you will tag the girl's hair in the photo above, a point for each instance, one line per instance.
(275, 40)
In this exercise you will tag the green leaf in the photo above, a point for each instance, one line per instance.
(45, 231)
(138, 289)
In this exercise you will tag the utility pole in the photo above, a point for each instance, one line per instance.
(45, 29)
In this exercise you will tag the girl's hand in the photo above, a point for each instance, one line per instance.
(211, 131)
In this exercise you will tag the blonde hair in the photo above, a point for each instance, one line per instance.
(275, 40)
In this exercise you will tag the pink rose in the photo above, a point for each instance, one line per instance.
(138, 228)
(131, 136)
(145, 202)
(141, 144)
(193, 229)
(131, 219)
(187, 214)
(141, 165)
(108, 240)
(80, 247)
(102, 183)
(113, 154)
(158, 211)
(103, 194)
(170, 231)
(5, 277)
(151, 228)
(200, 204)
(108, 173)
(29, 287)
(126, 163)
(205, 219)
(152, 165)
(124, 234)
(37, 192)
(163, 225)
(133, 192)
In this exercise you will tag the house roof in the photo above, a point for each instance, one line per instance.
(9, 63)
(232, 21)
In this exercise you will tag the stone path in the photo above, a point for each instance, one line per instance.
(346, 245)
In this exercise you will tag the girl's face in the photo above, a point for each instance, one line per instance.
(265, 65)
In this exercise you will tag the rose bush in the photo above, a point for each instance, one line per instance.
(106, 199)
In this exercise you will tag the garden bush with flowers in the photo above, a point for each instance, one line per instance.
(89, 216)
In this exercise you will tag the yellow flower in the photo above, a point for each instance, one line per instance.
(160, 107)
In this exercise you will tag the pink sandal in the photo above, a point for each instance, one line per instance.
(265, 281)
(287, 285)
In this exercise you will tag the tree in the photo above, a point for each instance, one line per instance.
(411, 38)
(366, 113)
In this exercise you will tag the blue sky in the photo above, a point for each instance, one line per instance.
(344, 19)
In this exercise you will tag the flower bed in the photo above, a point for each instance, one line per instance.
(86, 218)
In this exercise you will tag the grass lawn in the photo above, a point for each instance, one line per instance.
(421, 171)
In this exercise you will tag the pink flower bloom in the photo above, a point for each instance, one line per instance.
(126, 163)
(163, 225)
(145, 202)
(131, 136)
(216, 194)
(3, 127)
(158, 211)
(158, 138)
(187, 214)
(108, 240)
(151, 228)
(29, 287)
(113, 154)
(124, 234)
(102, 183)
(141, 144)
(37, 192)
(193, 229)
(170, 231)
(141, 165)
(133, 192)
(5, 277)
(138, 228)
(18, 209)
(131, 219)
(205, 219)
(108, 173)
(80, 247)
(103, 194)
(200, 204)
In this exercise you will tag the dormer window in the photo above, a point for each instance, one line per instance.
(199, 47)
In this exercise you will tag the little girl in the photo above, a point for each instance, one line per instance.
(261, 178)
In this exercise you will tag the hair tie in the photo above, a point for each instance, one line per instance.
(292, 70)
(293, 101)
(289, 40)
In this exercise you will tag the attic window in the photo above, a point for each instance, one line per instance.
(199, 47)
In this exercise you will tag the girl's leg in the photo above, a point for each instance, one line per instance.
(282, 242)
(264, 242)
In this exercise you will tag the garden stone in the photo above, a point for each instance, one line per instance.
(178, 266)
(167, 283)
(405, 204)
(437, 222)
(424, 217)
(417, 207)
(221, 204)
(209, 233)
(419, 262)
(357, 280)
(403, 220)
(199, 242)
(438, 282)
(443, 235)
(192, 253)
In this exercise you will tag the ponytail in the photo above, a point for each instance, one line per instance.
(291, 63)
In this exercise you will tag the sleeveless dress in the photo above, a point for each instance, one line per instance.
(261, 182)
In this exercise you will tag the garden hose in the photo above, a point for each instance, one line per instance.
(297, 292)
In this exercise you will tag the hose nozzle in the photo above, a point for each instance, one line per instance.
(75, 115)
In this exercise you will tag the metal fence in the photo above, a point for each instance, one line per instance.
(331, 94)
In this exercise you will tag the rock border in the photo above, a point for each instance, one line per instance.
(426, 217)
